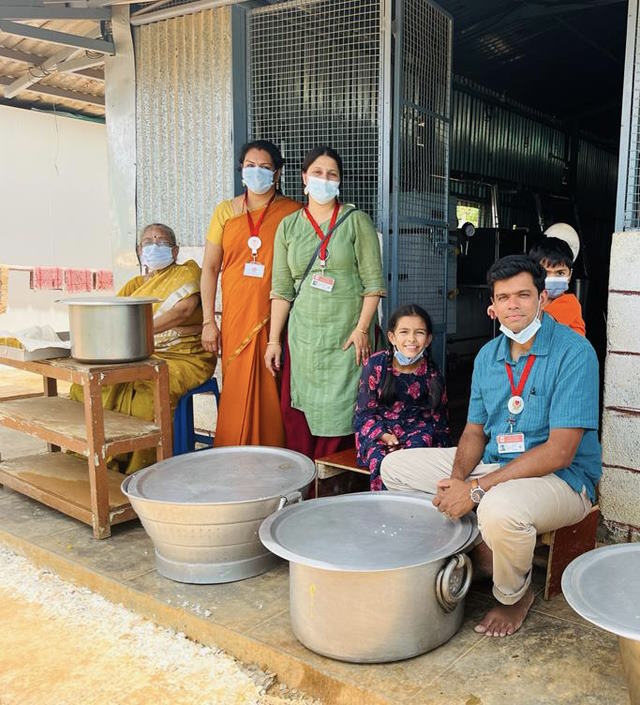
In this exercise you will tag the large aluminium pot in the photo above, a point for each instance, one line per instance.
(110, 328)
(602, 586)
(374, 576)
(202, 510)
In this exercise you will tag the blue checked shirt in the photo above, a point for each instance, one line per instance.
(561, 392)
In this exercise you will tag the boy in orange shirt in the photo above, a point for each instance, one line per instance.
(556, 257)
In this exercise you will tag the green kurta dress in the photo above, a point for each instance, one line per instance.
(324, 378)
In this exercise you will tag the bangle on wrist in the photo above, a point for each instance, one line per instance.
(364, 332)
(209, 320)
(274, 342)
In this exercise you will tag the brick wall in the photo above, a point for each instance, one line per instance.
(620, 485)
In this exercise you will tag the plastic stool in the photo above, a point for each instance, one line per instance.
(184, 435)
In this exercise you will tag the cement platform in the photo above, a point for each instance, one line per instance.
(556, 657)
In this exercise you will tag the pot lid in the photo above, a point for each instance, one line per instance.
(602, 587)
(108, 300)
(366, 531)
(222, 475)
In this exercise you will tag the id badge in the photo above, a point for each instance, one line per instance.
(322, 282)
(510, 443)
(254, 269)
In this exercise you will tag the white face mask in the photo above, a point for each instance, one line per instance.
(525, 335)
(155, 256)
(322, 190)
(556, 286)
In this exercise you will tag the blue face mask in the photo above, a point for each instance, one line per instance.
(321, 190)
(156, 257)
(257, 179)
(404, 360)
(556, 286)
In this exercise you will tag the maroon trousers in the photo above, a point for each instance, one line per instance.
(297, 434)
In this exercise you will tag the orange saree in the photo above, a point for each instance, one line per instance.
(249, 412)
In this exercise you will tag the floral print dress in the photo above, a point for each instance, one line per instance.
(418, 416)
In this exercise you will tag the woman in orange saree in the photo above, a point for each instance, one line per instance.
(249, 411)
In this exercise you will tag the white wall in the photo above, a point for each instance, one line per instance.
(53, 206)
(620, 485)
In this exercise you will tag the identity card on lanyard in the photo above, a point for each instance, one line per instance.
(322, 281)
(514, 442)
(255, 268)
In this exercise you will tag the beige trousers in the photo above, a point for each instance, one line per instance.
(510, 514)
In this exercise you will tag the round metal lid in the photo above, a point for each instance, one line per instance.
(223, 475)
(602, 587)
(108, 300)
(366, 531)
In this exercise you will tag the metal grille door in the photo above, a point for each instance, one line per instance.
(372, 79)
(422, 86)
(315, 75)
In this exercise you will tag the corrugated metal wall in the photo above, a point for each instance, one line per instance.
(184, 121)
(497, 142)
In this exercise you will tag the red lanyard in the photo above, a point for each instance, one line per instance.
(318, 229)
(517, 391)
(254, 228)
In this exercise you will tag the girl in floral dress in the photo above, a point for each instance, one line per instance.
(402, 400)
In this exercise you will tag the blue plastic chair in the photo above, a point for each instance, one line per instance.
(184, 434)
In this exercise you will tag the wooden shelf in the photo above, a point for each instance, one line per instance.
(84, 488)
(61, 481)
(62, 422)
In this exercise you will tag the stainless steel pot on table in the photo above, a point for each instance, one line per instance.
(110, 329)
(202, 510)
(391, 550)
(602, 587)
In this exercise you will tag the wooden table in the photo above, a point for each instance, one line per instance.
(60, 480)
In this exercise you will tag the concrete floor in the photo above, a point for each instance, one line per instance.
(555, 658)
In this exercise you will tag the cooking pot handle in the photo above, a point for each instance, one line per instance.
(447, 599)
(291, 498)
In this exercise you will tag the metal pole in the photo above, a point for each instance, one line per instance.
(624, 178)
(180, 10)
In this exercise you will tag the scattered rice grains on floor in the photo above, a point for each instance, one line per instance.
(64, 645)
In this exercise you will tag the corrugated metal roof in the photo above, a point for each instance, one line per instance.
(81, 92)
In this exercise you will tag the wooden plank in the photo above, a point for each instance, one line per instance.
(568, 543)
(343, 459)
(128, 445)
(61, 481)
(97, 458)
(46, 368)
(162, 410)
(55, 419)
(51, 390)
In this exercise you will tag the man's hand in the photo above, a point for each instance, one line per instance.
(453, 498)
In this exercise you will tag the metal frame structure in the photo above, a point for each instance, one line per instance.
(365, 84)
(629, 160)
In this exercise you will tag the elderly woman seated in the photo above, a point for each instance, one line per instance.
(177, 325)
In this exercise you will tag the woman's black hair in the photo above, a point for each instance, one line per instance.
(322, 150)
(388, 394)
(265, 146)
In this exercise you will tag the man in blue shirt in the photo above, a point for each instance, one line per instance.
(529, 457)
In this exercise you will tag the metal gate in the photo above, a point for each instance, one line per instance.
(372, 79)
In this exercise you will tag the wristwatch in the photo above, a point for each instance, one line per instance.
(476, 492)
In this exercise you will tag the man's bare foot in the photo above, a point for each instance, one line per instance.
(482, 559)
(504, 620)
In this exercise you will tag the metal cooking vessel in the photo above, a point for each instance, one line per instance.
(344, 551)
(202, 510)
(602, 586)
(110, 328)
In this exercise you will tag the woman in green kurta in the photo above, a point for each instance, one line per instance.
(329, 328)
